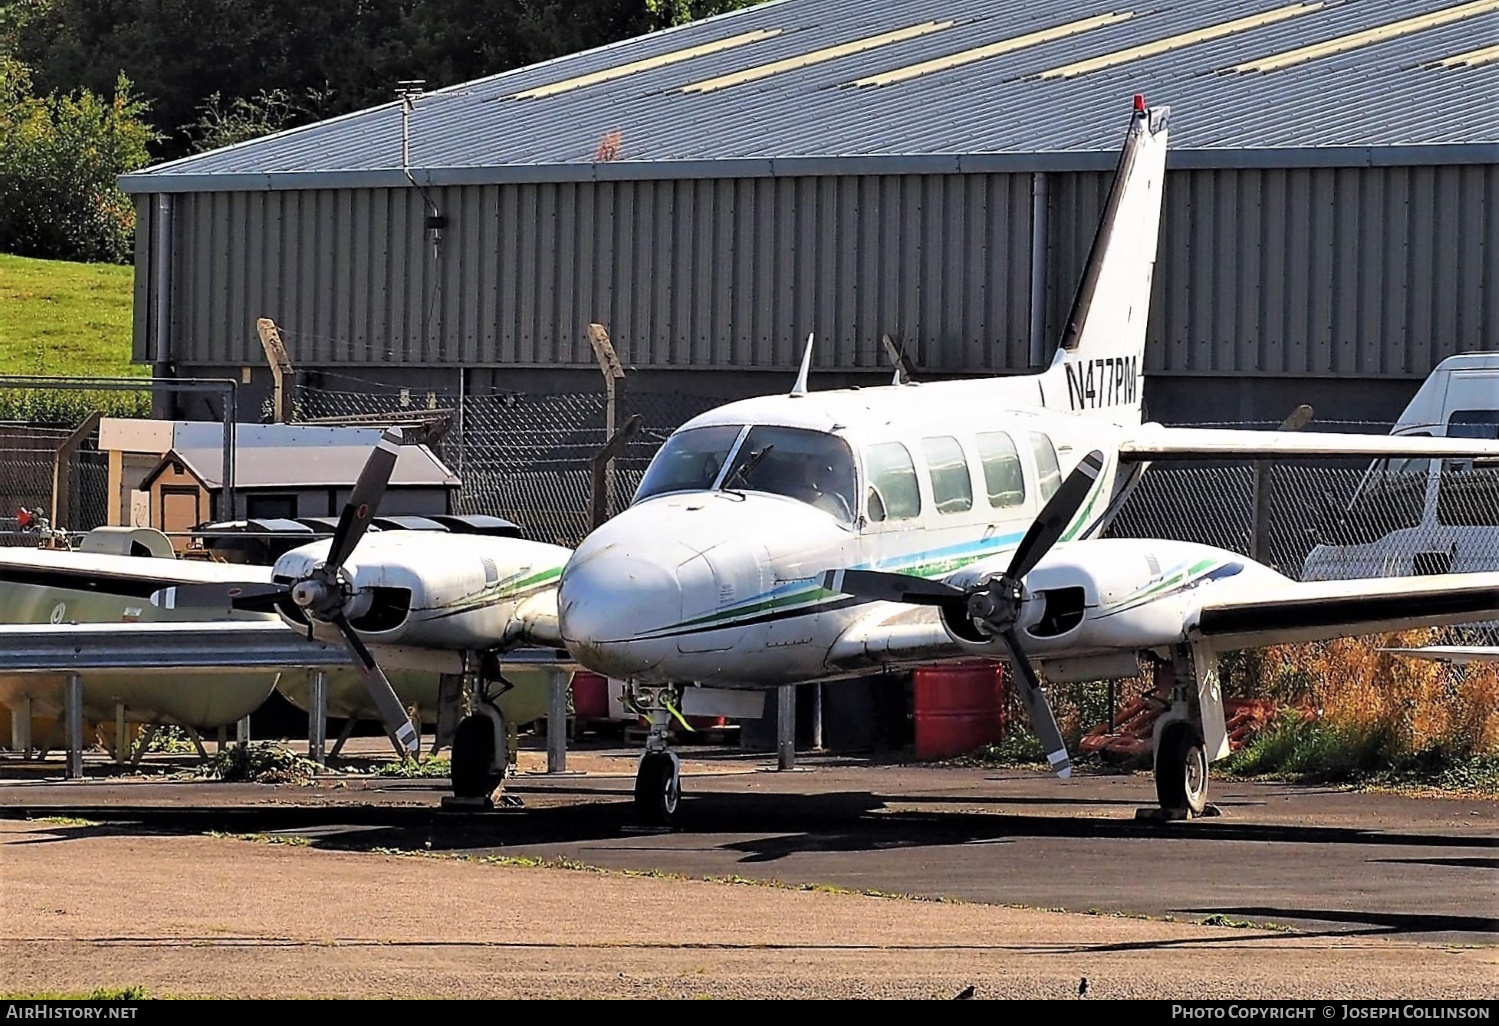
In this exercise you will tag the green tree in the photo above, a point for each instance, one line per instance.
(59, 156)
(181, 54)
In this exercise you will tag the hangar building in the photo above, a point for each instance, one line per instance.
(932, 171)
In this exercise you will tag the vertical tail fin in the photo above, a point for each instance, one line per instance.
(1098, 369)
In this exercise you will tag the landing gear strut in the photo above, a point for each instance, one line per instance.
(1191, 734)
(481, 752)
(658, 780)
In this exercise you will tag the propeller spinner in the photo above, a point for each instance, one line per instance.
(325, 592)
(994, 605)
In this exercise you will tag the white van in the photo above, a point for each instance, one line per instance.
(1412, 516)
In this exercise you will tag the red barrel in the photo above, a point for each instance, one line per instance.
(590, 696)
(959, 707)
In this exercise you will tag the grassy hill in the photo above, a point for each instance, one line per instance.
(65, 319)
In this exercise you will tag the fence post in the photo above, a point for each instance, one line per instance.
(61, 470)
(283, 375)
(602, 462)
(1259, 523)
(603, 351)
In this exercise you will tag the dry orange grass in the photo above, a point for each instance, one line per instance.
(1418, 705)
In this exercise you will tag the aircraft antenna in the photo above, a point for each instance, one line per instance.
(800, 388)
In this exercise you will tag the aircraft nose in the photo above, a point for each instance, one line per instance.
(606, 602)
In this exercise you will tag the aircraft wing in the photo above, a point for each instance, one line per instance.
(1157, 444)
(1252, 617)
(127, 576)
(1459, 655)
(219, 645)
(1230, 617)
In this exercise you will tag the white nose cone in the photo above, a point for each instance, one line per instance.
(610, 606)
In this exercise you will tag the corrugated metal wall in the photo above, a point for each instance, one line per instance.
(1365, 272)
(726, 272)
(1332, 271)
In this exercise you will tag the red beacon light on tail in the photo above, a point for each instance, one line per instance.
(1139, 103)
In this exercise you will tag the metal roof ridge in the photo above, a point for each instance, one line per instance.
(1360, 155)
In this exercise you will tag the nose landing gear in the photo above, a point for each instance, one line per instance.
(658, 780)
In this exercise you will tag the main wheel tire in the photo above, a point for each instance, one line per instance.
(1181, 770)
(658, 790)
(474, 758)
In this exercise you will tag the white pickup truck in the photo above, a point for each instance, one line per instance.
(1423, 516)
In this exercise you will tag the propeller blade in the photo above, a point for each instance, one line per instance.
(1043, 722)
(365, 498)
(391, 711)
(220, 597)
(881, 585)
(1055, 516)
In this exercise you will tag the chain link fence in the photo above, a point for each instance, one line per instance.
(26, 483)
(527, 458)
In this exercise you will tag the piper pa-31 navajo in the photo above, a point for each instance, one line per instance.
(824, 535)
(813, 536)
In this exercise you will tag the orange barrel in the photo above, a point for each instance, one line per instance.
(959, 707)
(590, 696)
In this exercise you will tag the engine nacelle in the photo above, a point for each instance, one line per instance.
(426, 589)
(1105, 595)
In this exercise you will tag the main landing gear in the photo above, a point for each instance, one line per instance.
(481, 750)
(1190, 734)
(658, 780)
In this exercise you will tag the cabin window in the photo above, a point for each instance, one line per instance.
(952, 484)
(689, 461)
(1004, 481)
(1048, 473)
(893, 492)
(809, 466)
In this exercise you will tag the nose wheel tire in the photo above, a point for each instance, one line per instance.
(474, 759)
(658, 789)
(1181, 770)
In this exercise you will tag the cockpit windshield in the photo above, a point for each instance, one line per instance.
(689, 461)
(808, 466)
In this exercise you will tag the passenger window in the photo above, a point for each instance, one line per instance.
(1048, 474)
(893, 494)
(1003, 478)
(952, 485)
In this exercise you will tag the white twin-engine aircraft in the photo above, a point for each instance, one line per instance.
(824, 535)
(813, 536)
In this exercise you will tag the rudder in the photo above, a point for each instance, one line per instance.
(1099, 367)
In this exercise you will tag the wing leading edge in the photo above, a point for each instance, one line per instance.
(1332, 609)
(1157, 444)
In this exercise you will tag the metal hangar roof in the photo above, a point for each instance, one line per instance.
(799, 87)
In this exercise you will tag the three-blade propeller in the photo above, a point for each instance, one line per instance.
(325, 592)
(993, 605)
